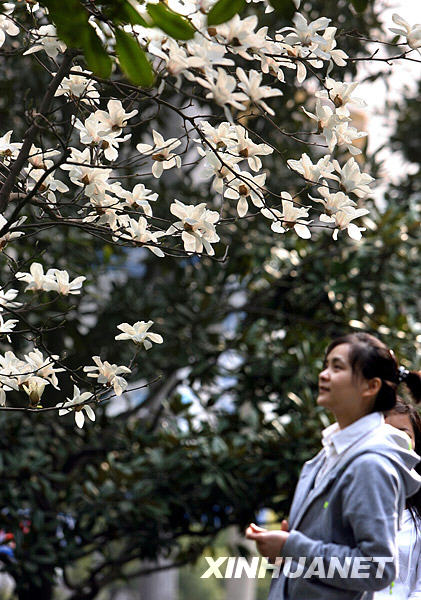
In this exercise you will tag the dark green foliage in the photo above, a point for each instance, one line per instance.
(224, 10)
(360, 5)
(133, 60)
(170, 22)
(77, 32)
(285, 8)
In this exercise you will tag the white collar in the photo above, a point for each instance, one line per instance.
(342, 439)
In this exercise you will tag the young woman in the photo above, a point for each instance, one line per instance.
(344, 516)
(407, 585)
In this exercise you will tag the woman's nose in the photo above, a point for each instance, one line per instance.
(324, 374)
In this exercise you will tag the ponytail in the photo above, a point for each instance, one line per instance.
(412, 380)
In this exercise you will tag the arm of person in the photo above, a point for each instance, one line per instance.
(415, 592)
(372, 495)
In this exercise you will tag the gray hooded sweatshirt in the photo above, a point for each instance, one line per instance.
(352, 516)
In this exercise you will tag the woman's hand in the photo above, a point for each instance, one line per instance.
(269, 543)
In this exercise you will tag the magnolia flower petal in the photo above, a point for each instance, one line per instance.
(277, 227)
(242, 206)
(79, 418)
(89, 412)
(354, 232)
(155, 337)
(302, 231)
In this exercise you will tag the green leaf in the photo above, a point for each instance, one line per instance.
(133, 60)
(224, 10)
(77, 32)
(128, 14)
(359, 5)
(71, 31)
(170, 22)
(284, 8)
(96, 56)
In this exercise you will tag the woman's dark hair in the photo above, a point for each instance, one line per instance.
(403, 408)
(370, 358)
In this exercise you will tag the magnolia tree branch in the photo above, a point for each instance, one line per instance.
(31, 133)
(95, 183)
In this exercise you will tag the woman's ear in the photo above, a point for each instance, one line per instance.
(372, 387)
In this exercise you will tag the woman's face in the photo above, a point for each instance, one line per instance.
(340, 390)
(402, 422)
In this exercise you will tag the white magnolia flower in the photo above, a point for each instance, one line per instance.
(47, 40)
(54, 280)
(40, 159)
(287, 219)
(305, 33)
(32, 7)
(63, 285)
(139, 334)
(79, 406)
(107, 211)
(209, 53)
(92, 132)
(272, 65)
(251, 87)
(328, 46)
(288, 52)
(239, 34)
(8, 149)
(197, 226)
(34, 386)
(37, 279)
(178, 61)
(7, 327)
(10, 235)
(346, 135)
(342, 219)
(246, 186)
(412, 33)
(328, 121)
(161, 153)
(79, 86)
(43, 367)
(139, 233)
(11, 369)
(341, 94)
(221, 88)
(7, 26)
(49, 185)
(139, 197)
(2, 396)
(81, 174)
(351, 178)
(108, 374)
(115, 119)
(220, 136)
(311, 172)
(213, 167)
(332, 202)
(245, 148)
(7, 298)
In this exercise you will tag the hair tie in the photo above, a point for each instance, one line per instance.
(402, 374)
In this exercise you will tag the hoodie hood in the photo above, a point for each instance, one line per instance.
(395, 445)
